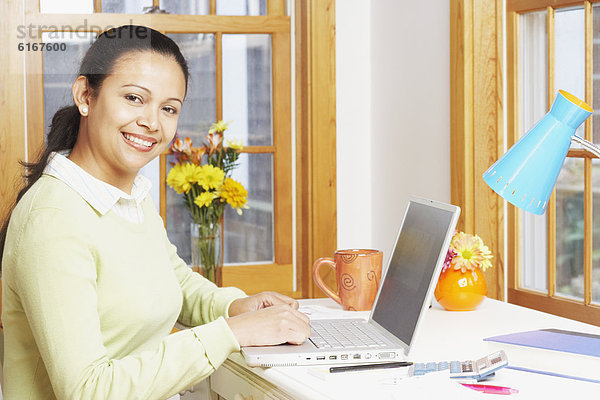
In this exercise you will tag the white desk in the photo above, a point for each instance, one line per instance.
(444, 336)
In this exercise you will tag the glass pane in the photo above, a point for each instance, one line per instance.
(249, 238)
(241, 7)
(247, 88)
(569, 229)
(126, 7)
(596, 162)
(199, 108)
(67, 6)
(569, 61)
(187, 7)
(178, 220)
(61, 67)
(197, 114)
(534, 104)
(596, 231)
(569, 64)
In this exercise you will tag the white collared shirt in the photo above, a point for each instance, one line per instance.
(99, 194)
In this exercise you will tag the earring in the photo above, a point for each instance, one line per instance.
(84, 110)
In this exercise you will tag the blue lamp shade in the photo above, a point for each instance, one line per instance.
(527, 173)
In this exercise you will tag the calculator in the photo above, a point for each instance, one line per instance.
(479, 369)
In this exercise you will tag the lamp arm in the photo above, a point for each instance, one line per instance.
(587, 145)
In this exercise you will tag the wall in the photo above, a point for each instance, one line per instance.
(353, 117)
(393, 114)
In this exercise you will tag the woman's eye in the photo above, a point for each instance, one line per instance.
(170, 110)
(134, 98)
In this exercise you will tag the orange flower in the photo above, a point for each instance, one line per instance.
(470, 252)
(215, 142)
(197, 153)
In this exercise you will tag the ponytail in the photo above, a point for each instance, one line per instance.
(62, 136)
(96, 65)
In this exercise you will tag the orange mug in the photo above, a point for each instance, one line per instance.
(358, 273)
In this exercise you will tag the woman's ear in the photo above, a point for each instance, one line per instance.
(81, 94)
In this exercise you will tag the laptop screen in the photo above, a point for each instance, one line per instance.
(413, 262)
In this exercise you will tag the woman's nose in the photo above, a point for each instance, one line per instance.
(149, 119)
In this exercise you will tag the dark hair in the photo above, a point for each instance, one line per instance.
(97, 64)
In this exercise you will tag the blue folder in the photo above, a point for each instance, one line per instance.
(554, 339)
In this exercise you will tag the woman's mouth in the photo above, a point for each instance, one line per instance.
(138, 142)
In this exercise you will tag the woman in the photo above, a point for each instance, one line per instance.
(91, 285)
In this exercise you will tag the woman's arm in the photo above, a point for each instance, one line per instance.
(55, 277)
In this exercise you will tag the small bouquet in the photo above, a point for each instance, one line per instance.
(467, 252)
(207, 186)
(203, 176)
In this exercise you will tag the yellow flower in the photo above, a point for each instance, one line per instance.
(234, 194)
(205, 199)
(210, 177)
(471, 253)
(219, 126)
(181, 177)
(235, 144)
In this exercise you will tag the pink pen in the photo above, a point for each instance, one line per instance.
(490, 389)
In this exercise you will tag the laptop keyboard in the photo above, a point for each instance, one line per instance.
(341, 334)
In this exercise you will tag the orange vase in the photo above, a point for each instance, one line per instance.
(458, 291)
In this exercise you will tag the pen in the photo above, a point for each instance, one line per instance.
(363, 367)
(490, 389)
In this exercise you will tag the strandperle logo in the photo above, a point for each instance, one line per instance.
(81, 31)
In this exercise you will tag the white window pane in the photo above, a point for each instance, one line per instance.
(596, 162)
(197, 114)
(185, 7)
(569, 75)
(199, 108)
(126, 7)
(534, 68)
(596, 231)
(60, 69)
(67, 6)
(178, 220)
(241, 7)
(249, 238)
(569, 229)
(569, 53)
(247, 88)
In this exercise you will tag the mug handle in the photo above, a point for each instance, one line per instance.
(319, 281)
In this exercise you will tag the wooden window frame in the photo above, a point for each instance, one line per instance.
(476, 124)
(315, 115)
(549, 301)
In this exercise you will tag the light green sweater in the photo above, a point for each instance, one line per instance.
(89, 302)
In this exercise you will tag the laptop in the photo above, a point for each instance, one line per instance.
(404, 295)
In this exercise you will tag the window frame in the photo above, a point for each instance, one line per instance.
(315, 198)
(549, 301)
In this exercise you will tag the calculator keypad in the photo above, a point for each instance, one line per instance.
(474, 369)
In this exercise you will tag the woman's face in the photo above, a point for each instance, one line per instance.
(133, 117)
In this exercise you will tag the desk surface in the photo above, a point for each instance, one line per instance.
(444, 336)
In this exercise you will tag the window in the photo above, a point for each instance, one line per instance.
(24, 97)
(239, 55)
(554, 259)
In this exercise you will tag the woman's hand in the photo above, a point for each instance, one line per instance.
(260, 301)
(273, 324)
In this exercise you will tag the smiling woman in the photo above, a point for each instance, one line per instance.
(132, 120)
(92, 287)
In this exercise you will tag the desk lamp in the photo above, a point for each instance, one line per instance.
(527, 173)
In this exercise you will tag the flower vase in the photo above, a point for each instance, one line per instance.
(206, 249)
(460, 291)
